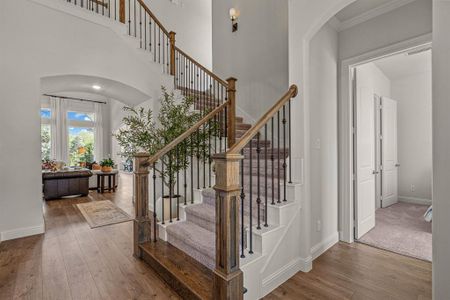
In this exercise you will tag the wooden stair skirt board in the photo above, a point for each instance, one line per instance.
(189, 278)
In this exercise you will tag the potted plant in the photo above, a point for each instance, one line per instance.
(107, 164)
(140, 133)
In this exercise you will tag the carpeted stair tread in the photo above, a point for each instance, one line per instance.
(203, 215)
(194, 240)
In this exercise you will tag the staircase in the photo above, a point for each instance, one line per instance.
(225, 229)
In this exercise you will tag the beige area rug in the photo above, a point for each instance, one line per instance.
(102, 213)
(401, 228)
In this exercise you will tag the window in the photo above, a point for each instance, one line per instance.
(81, 138)
(46, 133)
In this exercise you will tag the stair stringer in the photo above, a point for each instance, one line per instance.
(279, 259)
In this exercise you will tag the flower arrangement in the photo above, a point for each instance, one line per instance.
(107, 164)
(49, 165)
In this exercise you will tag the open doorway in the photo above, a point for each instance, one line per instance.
(392, 152)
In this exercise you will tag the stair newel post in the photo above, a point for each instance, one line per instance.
(228, 278)
(231, 91)
(141, 223)
(172, 53)
(122, 11)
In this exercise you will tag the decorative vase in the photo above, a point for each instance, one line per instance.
(96, 167)
(106, 169)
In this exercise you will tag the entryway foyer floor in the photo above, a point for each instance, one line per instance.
(72, 261)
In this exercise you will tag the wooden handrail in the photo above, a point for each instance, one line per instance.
(245, 139)
(185, 135)
(155, 19)
(223, 82)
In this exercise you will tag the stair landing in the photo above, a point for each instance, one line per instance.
(189, 278)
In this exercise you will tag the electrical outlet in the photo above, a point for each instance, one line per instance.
(318, 226)
(413, 188)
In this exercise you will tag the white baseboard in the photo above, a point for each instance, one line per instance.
(22, 232)
(276, 279)
(414, 200)
(324, 245)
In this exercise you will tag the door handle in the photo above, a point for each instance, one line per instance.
(397, 165)
(375, 172)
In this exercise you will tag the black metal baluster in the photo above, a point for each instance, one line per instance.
(258, 199)
(185, 177)
(134, 20)
(170, 187)
(140, 26)
(220, 123)
(154, 41)
(192, 170)
(265, 175)
(164, 52)
(129, 17)
(225, 141)
(162, 192)
(290, 145)
(167, 54)
(278, 157)
(154, 202)
(178, 182)
(250, 201)
(145, 30)
(159, 44)
(284, 153)
(242, 208)
(197, 145)
(273, 163)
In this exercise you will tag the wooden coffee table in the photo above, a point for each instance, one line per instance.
(111, 181)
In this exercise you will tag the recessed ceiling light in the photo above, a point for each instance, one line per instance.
(96, 87)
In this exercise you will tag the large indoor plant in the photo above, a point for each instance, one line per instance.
(142, 133)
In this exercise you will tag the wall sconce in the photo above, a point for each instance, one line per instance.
(234, 14)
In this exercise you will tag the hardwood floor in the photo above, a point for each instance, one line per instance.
(357, 271)
(73, 261)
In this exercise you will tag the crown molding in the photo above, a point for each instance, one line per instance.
(375, 12)
(335, 23)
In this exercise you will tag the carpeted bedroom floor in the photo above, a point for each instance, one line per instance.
(401, 228)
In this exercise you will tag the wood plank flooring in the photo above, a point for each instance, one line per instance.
(358, 271)
(73, 261)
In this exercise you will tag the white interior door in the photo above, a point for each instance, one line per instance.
(389, 168)
(364, 161)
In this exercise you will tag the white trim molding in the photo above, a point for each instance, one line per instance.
(345, 141)
(373, 13)
(320, 248)
(22, 232)
(274, 280)
(414, 200)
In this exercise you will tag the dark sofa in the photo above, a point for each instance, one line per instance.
(65, 183)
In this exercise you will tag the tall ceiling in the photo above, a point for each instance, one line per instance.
(359, 7)
(403, 65)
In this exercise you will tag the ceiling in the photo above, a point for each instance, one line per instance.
(80, 86)
(403, 65)
(359, 7)
(363, 10)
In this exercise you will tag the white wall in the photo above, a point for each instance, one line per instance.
(369, 75)
(413, 96)
(323, 144)
(47, 42)
(257, 54)
(403, 23)
(441, 149)
(191, 20)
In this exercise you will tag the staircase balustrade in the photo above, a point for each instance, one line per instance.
(251, 168)
(232, 191)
